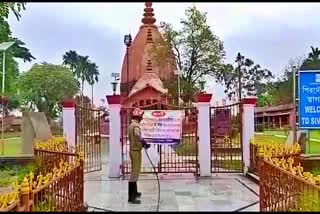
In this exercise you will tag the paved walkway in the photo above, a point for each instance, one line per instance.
(183, 192)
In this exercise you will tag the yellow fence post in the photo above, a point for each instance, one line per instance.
(25, 193)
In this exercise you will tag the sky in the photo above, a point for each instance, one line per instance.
(268, 33)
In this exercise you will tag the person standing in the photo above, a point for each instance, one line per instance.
(136, 145)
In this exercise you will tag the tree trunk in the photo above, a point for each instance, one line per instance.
(92, 96)
(82, 92)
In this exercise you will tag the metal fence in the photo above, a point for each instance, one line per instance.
(285, 187)
(182, 158)
(58, 186)
(226, 138)
(257, 153)
(88, 137)
(48, 160)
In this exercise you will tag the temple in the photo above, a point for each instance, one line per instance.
(143, 76)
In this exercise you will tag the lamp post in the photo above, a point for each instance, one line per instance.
(294, 97)
(3, 47)
(115, 82)
(202, 83)
(127, 41)
(178, 73)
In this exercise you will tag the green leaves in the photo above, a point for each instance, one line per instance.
(281, 90)
(82, 67)
(253, 77)
(16, 51)
(15, 7)
(194, 49)
(44, 85)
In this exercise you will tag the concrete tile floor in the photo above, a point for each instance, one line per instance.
(218, 193)
(182, 192)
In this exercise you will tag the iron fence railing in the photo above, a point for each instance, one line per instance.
(58, 186)
(285, 187)
(50, 159)
(88, 137)
(256, 158)
(226, 138)
(182, 158)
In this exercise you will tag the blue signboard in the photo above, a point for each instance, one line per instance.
(309, 99)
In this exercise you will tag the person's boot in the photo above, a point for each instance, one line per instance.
(132, 195)
(138, 194)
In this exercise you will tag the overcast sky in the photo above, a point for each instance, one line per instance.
(268, 33)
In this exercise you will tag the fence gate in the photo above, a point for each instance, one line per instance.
(226, 138)
(182, 158)
(88, 137)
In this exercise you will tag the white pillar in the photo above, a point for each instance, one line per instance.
(248, 123)
(69, 122)
(204, 146)
(115, 156)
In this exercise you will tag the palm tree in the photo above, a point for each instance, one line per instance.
(71, 59)
(78, 65)
(314, 54)
(93, 77)
(313, 60)
(82, 69)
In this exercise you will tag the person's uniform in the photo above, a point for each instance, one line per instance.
(136, 145)
(135, 150)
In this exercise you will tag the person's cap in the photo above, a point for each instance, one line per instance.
(137, 112)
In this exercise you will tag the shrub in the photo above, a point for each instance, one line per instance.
(7, 177)
(315, 171)
(8, 174)
(259, 128)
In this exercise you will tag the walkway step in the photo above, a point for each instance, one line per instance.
(253, 177)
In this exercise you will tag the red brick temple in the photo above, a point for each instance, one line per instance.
(145, 80)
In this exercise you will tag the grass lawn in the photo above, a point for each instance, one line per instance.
(188, 147)
(11, 146)
(276, 132)
(228, 164)
(312, 148)
(315, 134)
(271, 138)
(11, 134)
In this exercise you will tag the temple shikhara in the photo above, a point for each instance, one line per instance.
(140, 73)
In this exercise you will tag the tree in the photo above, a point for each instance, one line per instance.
(71, 59)
(265, 99)
(12, 69)
(82, 68)
(313, 60)
(16, 51)
(253, 78)
(194, 49)
(15, 7)
(314, 54)
(93, 77)
(281, 89)
(44, 86)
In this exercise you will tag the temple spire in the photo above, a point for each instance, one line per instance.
(149, 66)
(148, 14)
(149, 36)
